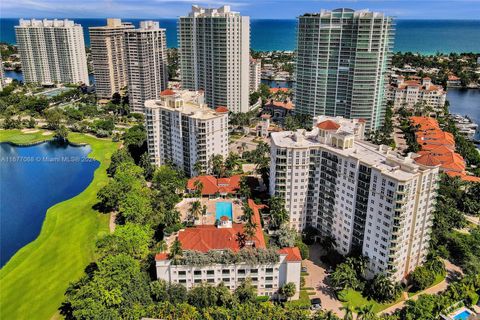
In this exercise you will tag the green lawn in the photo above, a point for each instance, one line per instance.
(355, 299)
(16, 136)
(33, 282)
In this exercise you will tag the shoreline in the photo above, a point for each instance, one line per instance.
(35, 278)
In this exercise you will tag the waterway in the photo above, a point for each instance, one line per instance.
(32, 179)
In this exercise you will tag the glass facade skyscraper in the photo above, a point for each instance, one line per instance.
(343, 57)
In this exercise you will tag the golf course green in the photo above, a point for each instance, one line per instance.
(33, 282)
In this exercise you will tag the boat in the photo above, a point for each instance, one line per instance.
(465, 126)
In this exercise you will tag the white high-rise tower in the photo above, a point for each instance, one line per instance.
(214, 49)
(146, 60)
(52, 51)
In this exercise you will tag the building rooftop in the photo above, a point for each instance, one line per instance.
(189, 103)
(381, 157)
(65, 23)
(212, 185)
(209, 237)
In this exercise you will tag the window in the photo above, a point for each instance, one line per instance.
(197, 272)
(210, 272)
(269, 270)
(225, 271)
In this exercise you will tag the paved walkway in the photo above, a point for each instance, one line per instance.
(316, 279)
(453, 272)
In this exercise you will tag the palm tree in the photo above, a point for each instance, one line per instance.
(244, 188)
(198, 168)
(365, 312)
(349, 310)
(195, 210)
(241, 239)
(216, 165)
(278, 213)
(198, 188)
(232, 162)
(249, 229)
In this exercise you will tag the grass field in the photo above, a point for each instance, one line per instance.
(34, 281)
(16, 136)
(355, 299)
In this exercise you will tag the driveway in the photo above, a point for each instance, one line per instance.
(316, 279)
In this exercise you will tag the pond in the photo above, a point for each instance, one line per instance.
(32, 179)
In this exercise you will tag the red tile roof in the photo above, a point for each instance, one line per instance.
(167, 92)
(328, 125)
(275, 90)
(161, 256)
(208, 237)
(288, 105)
(212, 185)
(463, 176)
(438, 148)
(221, 109)
(293, 254)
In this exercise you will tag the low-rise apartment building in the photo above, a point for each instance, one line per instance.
(411, 92)
(183, 130)
(267, 276)
(367, 197)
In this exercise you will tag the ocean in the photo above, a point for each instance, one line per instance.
(423, 36)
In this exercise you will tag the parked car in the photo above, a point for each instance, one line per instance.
(315, 304)
(304, 269)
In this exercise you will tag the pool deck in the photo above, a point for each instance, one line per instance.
(209, 219)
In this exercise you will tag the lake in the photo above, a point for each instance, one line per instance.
(465, 102)
(32, 179)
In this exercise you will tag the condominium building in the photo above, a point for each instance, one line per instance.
(255, 74)
(52, 51)
(183, 130)
(367, 197)
(410, 92)
(2, 74)
(221, 239)
(214, 46)
(343, 57)
(108, 57)
(146, 61)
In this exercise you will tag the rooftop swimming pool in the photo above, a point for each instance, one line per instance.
(462, 315)
(223, 209)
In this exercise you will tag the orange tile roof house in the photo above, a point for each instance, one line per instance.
(268, 278)
(438, 148)
(212, 186)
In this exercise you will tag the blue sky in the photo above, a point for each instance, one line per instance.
(273, 9)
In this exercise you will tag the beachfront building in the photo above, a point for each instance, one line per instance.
(410, 92)
(183, 130)
(146, 62)
(342, 63)
(52, 51)
(217, 243)
(108, 57)
(367, 197)
(255, 74)
(214, 47)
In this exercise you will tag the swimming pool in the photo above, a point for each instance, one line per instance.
(223, 209)
(462, 315)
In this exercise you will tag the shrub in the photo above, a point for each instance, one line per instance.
(421, 278)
